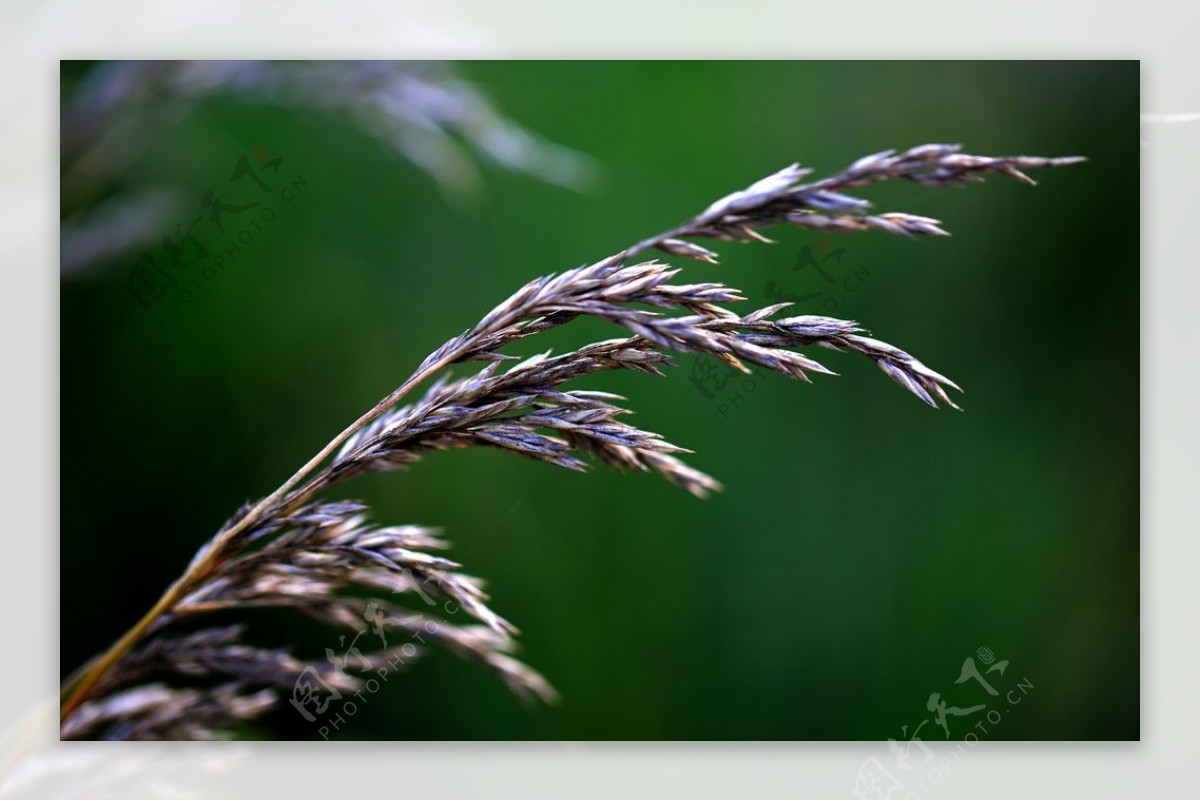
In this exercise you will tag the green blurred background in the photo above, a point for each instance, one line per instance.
(865, 545)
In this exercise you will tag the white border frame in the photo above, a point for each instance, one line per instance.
(37, 34)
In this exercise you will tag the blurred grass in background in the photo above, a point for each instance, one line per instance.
(865, 545)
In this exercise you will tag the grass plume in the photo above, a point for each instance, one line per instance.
(292, 550)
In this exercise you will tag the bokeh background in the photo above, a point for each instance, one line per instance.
(865, 545)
